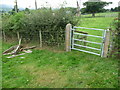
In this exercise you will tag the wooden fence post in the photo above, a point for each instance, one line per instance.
(111, 43)
(40, 37)
(4, 36)
(18, 35)
(68, 37)
(106, 43)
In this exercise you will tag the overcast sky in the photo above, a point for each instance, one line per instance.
(53, 3)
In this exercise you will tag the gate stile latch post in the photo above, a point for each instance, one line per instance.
(68, 37)
(106, 43)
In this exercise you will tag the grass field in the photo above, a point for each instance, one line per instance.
(99, 22)
(47, 69)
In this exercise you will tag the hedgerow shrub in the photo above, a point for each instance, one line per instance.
(13, 23)
(116, 38)
(46, 20)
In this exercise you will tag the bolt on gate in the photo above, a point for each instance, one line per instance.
(70, 40)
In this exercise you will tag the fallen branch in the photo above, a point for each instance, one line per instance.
(27, 51)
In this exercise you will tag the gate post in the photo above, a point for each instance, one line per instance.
(68, 37)
(106, 43)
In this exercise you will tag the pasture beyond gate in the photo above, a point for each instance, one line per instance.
(77, 40)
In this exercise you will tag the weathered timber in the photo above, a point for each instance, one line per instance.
(18, 48)
(16, 55)
(13, 50)
(10, 49)
(68, 37)
(32, 47)
(80, 32)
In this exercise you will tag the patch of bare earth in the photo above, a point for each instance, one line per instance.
(45, 77)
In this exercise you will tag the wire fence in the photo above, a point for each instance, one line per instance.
(54, 40)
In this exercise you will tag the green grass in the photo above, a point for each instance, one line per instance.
(47, 69)
(107, 14)
(98, 22)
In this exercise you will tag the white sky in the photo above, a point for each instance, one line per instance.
(53, 3)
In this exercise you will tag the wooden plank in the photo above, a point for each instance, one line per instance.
(10, 49)
(18, 48)
(16, 55)
(32, 47)
(80, 32)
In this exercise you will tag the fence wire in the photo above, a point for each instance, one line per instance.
(42, 39)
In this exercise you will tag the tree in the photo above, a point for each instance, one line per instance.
(16, 6)
(35, 4)
(116, 9)
(95, 7)
(82, 10)
(112, 9)
(14, 9)
(27, 10)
